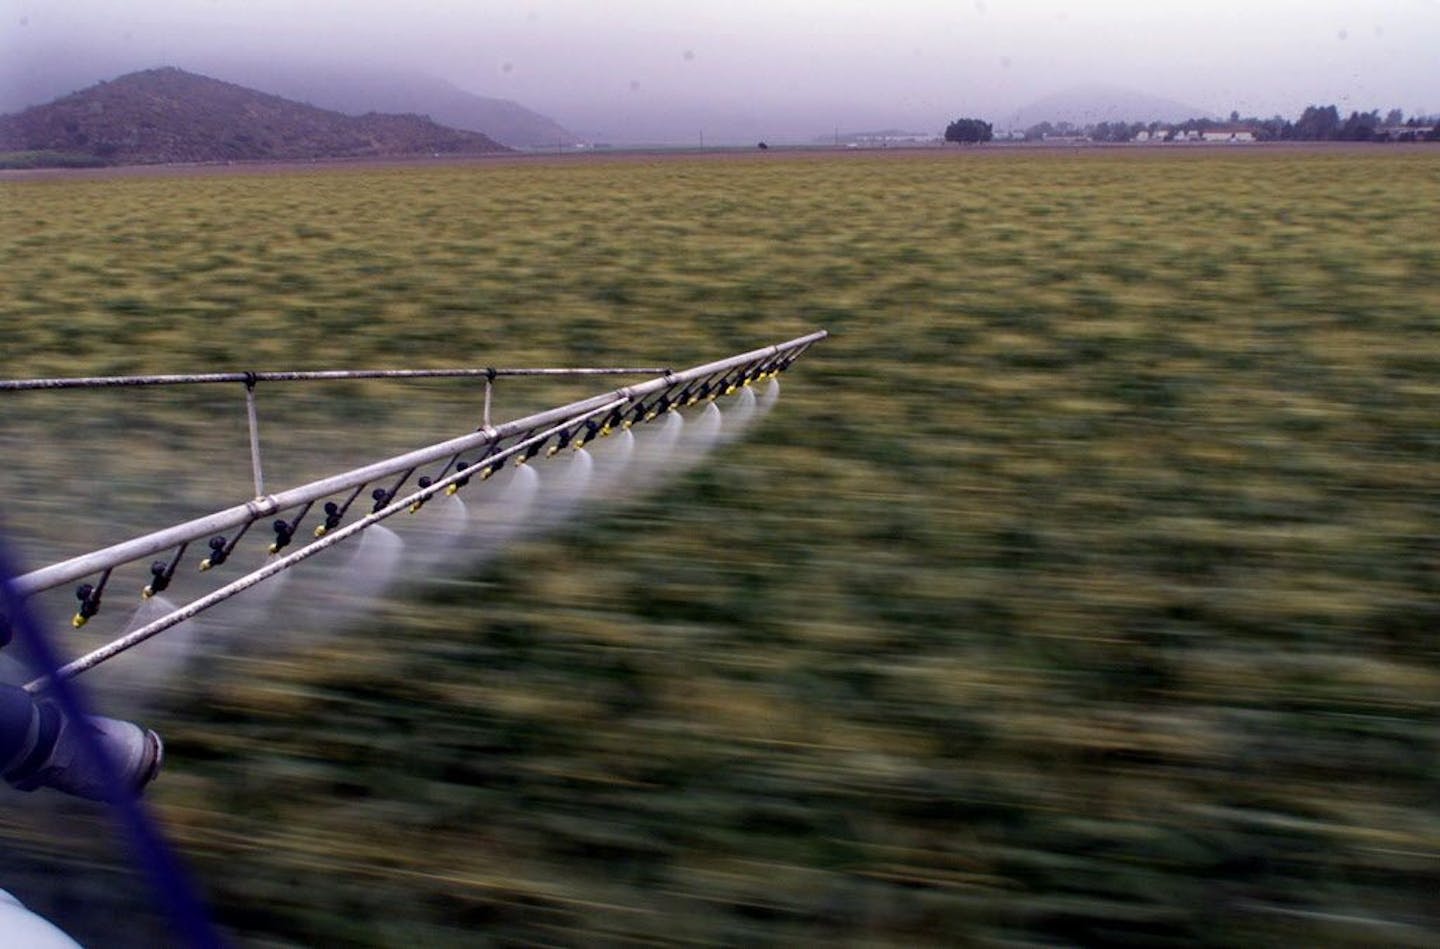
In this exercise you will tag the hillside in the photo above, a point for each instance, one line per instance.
(355, 91)
(169, 115)
(1086, 105)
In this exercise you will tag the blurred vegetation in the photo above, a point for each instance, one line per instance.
(48, 159)
(1082, 588)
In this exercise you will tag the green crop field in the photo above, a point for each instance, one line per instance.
(1082, 588)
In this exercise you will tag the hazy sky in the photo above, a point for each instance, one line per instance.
(844, 62)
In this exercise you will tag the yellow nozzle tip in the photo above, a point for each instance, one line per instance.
(415, 507)
(78, 621)
(320, 531)
(452, 489)
(627, 423)
(485, 475)
(605, 431)
(520, 461)
(205, 565)
(146, 593)
(649, 415)
(274, 548)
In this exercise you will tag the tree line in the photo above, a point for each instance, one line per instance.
(1315, 124)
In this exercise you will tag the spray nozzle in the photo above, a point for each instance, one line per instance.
(162, 573)
(612, 421)
(333, 514)
(586, 433)
(491, 468)
(381, 497)
(159, 579)
(424, 481)
(89, 597)
(284, 533)
(218, 554)
(459, 466)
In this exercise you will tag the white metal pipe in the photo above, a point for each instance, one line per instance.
(104, 382)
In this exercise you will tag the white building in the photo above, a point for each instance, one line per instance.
(1229, 136)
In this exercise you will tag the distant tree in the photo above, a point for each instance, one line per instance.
(1395, 117)
(1039, 130)
(763, 147)
(971, 131)
(1273, 129)
(1317, 124)
(1234, 117)
(1359, 127)
(1114, 131)
(1194, 125)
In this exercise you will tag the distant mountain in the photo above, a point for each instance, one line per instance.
(1087, 105)
(355, 91)
(169, 115)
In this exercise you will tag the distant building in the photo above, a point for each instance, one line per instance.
(886, 139)
(1403, 133)
(1232, 136)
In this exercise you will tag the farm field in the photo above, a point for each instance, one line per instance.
(1082, 588)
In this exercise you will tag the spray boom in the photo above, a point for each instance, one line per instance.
(460, 460)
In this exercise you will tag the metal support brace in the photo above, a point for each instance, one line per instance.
(489, 386)
(254, 435)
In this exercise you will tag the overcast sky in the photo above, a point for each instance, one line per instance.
(844, 62)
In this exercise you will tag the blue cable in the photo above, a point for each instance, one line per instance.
(172, 888)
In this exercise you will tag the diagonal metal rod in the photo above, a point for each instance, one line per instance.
(489, 437)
